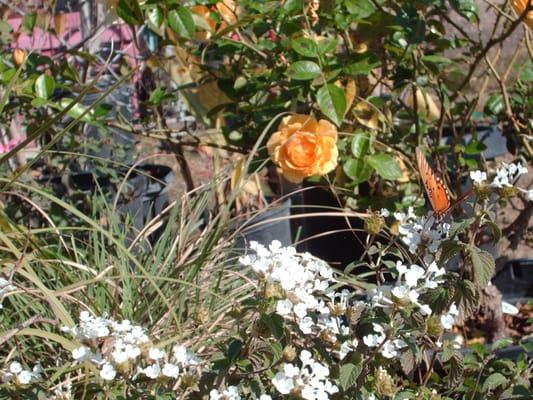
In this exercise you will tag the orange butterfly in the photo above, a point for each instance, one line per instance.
(438, 193)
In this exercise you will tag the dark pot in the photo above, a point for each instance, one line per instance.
(144, 195)
(272, 223)
(337, 240)
(490, 135)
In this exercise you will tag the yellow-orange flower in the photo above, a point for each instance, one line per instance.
(520, 7)
(304, 147)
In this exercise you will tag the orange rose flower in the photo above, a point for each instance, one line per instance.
(304, 147)
(520, 6)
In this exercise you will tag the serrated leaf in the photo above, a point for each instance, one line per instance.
(234, 350)
(357, 170)
(305, 46)
(386, 165)
(274, 323)
(407, 362)
(459, 227)
(493, 381)
(496, 231)
(467, 296)
(181, 22)
(44, 86)
(361, 143)
(332, 102)
(304, 70)
(348, 375)
(449, 249)
(483, 266)
(457, 366)
(438, 299)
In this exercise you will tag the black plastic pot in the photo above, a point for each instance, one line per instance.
(272, 223)
(143, 196)
(337, 240)
(515, 280)
(490, 135)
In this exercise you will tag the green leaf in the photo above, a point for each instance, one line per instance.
(29, 20)
(332, 102)
(327, 45)
(436, 59)
(181, 22)
(44, 86)
(130, 12)
(363, 64)
(275, 324)
(361, 143)
(484, 266)
(156, 96)
(493, 381)
(466, 8)
(500, 344)
(457, 366)
(357, 170)
(304, 70)
(348, 375)
(450, 248)
(305, 47)
(459, 227)
(360, 9)
(467, 296)
(76, 111)
(385, 165)
(154, 17)
(234, 349)
(495, 104)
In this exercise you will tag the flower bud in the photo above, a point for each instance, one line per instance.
(374, 223)
(508, 191)
(202, 315)
(289, 353)
(189, 381)
(385, 383)
(433, 326)
(19, 56)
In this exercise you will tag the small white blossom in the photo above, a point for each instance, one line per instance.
(447, 320)
(156, 354)
(170, 370)
(384, 213)
(153, 371)
(81, 353)
(108, 372)
(231, 393)
(478, 176)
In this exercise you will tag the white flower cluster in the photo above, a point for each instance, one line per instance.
(303, 280)
(310, 381)
(19, 376)
(421, 233)
(231, 393)
(412, 282)
(5, 288)
(120, 346)
(507, 174)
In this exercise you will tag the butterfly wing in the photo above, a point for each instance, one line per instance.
(436, 189)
